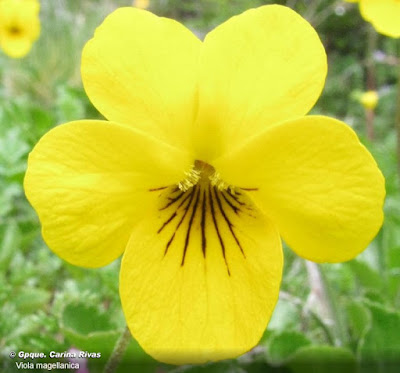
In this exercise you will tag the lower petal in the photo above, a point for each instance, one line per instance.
(15, 47)
(200, 277)
(319, 184)
(91, 181)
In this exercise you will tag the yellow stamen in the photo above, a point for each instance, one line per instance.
(203, 173)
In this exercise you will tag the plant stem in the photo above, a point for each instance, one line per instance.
(118, 352)
(324, 14)
(371, 77)
(323, 294)
(370, 63)
(300, 304)
(397, 120)
(369, 119)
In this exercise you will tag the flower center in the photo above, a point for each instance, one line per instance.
(200, 209)
(14, 30)
(203, 174)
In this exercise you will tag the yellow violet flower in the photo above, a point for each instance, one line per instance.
(206, 160)
(383, 14)
(142, 4)
(369, 99)
(19, 26)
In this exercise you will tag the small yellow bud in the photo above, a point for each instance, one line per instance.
(369, 99)
(141, 4)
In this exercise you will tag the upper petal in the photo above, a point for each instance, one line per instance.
(91, 181)
(383, 14)
(16, 10)
(200, 276)
(317, 182)
(261, 67)
(141, 70)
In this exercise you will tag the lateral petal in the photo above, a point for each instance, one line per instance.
(315, 179)
(90, 182)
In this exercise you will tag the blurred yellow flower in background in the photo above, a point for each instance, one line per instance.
(207, 159)
(141, 4)
(369, 99)
(384, 15)
(19, 26)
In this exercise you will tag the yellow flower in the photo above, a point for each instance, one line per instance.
(383, 14)
(206, 161)
(19, 26)
(142, 4)
(369, 99)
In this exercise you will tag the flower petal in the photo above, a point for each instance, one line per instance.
(140, 69)
(23, 17)
(90, 182)
(202, 288)
(316, 181)
(383, 14)
(15, 47)
(261, 67)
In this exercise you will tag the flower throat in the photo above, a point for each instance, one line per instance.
(199, 206)
(203, 174)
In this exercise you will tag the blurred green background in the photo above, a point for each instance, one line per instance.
(329, 317)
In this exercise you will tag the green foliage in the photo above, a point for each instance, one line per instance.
(323, 359)
(359, 320)
(381, 343)
(284, 345)
(47, 304)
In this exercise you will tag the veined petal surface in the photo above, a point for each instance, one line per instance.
(141, 70)
(90, 182)
(316, 181)
(200, 276)
(261, 67)
(383, 14)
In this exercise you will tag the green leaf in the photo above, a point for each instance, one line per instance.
(8, 193)
(374, 296)
(69, 105)
(368, 277)
(286, 316)
(285, 344)
(359, 319)
(12, 153)
(381, 343)
(31, 299)
(394, 257)
(136, 360)
(43, 121)
(89, 329)
(85, 319)
(218, 367)
(10, 237)
(323, 359)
